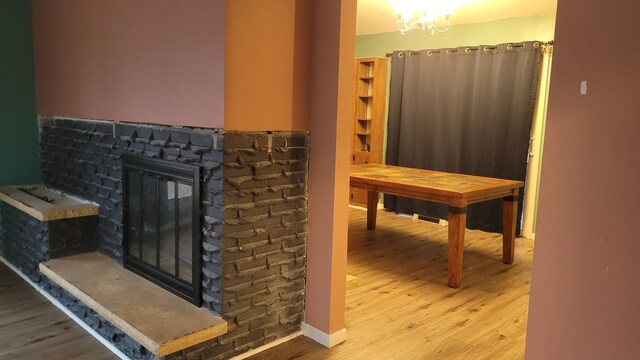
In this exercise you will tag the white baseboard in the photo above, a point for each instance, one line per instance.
(328, 340)
(267, 346)
(527, 234)
(68, 312)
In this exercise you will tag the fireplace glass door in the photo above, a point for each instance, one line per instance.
(162, 224)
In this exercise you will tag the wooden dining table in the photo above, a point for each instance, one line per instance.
(456, 190)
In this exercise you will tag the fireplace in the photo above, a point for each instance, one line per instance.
(161, 223)
(221, 214)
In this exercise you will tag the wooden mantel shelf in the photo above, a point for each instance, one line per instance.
(158, 320)
(29, 199)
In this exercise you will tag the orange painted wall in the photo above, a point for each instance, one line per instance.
(331, 108)
(268, 61)
(584, 289)
(155, 61)
(290, 67)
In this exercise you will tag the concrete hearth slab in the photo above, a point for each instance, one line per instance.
(158, 320)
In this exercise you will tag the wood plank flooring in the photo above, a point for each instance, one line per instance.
(402, 307)
(33, 328)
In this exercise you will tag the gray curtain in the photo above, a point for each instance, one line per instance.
(465, 110)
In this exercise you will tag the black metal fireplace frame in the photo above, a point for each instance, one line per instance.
(180, 173)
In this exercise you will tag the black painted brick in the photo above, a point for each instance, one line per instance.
(144, 133)
(104, 127)
(125, 129)
(202, 139)
(215, 155)
(179, 136)
(263, 250)
(256, 242)
(236, 170)
(243, 140)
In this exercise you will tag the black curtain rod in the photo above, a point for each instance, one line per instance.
(469, 49)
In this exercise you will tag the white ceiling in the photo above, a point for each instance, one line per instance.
(378, 16)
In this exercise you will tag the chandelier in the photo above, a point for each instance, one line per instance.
(432, 16)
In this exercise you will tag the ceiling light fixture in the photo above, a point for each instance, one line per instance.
(432, 16)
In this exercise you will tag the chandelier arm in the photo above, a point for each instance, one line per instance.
(403, 27)
(442, 29)
(440, 24)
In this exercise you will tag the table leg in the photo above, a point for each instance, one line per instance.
(457, 223)
(509, 211)
(372, 209)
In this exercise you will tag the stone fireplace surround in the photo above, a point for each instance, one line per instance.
(253, 219)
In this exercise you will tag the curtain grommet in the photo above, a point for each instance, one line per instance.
(467, 50)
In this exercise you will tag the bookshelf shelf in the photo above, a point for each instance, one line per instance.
(370, 98)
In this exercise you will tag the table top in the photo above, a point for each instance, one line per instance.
(431, 185)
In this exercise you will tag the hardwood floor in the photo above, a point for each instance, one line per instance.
(33, 328)
(402, 307)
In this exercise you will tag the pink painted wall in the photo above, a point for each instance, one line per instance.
(586, 265)
(155, 61)
(268, 62)
(333, 42)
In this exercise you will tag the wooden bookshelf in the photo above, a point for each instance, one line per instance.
(370, 100)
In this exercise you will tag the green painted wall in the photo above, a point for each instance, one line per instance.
(19, 162)
(495, 32)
